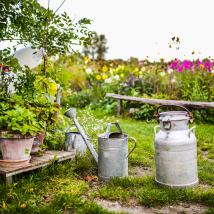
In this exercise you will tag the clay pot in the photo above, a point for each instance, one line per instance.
(38, 140)
(15, 148)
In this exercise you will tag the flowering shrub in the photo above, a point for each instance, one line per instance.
(177, 79)
(180, 66)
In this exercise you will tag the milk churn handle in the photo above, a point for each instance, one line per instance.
(135, 144)
(155, 130)
(109, 125)
(191, 130)
(182, 107)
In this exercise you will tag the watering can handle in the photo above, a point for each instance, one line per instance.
(109, 125)
(135, 144)
(76, 127)
(182, 107)
(69, 127)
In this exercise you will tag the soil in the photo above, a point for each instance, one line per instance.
(205, 156)
(181, 208)
(139, 171)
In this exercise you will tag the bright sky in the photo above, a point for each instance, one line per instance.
(143, 28)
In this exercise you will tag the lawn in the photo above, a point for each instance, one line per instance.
(65, 188)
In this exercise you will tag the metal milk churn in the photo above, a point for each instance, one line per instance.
(113, 153)
(74, 140)
(175, 149)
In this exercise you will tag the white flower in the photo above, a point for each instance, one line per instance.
(143, 69)
(116, 77)
(162, 74)
(173, 80)
(169, 71)
(109, 80)
(212, 72)
(88, 71)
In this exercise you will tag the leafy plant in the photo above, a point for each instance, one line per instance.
(79, 100)
(19, 120)
(146, 111)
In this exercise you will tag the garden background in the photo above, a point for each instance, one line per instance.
(84, 78)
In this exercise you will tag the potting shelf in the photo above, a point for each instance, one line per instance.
(37, 161)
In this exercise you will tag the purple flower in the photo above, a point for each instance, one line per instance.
(208, 65)
(180, 68)
(174, 64)
(187, 64)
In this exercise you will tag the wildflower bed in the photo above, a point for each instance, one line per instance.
(73, 187)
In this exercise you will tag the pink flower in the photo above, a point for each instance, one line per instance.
(180, 68)
(208, 65)
(174, 64)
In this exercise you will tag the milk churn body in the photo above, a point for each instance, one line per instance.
(113, 155)
(175, 151)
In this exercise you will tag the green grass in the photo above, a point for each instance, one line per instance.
(62, 186)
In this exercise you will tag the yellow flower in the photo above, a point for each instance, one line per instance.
(122, 75)
(105, 68)
(30, 190)
(23, 205)
(86, 60)
(104, 76)
(4, 205)
(98, 77)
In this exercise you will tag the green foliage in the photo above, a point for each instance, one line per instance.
(64, 188)
(196, 86)
(28, 23)
(141, 79)
(79, 100)
(19, 120)
(146, 111)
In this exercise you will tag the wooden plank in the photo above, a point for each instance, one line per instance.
(39, 161)
(192, 104)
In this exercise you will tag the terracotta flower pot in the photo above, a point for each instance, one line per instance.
(38, 141)
(15, 148)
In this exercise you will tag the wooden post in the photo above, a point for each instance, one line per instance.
(119, 107)
(7, 179)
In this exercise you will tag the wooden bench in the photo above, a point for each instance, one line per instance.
(37, 161)
(151, 101)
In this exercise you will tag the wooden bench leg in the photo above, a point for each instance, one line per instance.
(9, 179)
(119, 107)
(6, 179)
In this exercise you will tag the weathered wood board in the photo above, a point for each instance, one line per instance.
(192, 104)
(37, 161)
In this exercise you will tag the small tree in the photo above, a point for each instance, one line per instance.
(97, 48)
(27, 22)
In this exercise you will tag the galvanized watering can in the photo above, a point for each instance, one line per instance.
(175, 149)
(112, 149)
(74, 140)
(113, 153)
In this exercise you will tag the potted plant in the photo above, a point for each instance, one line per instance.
(18, 127)
(45, 108)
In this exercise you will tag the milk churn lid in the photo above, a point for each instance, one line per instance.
(174, 115)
